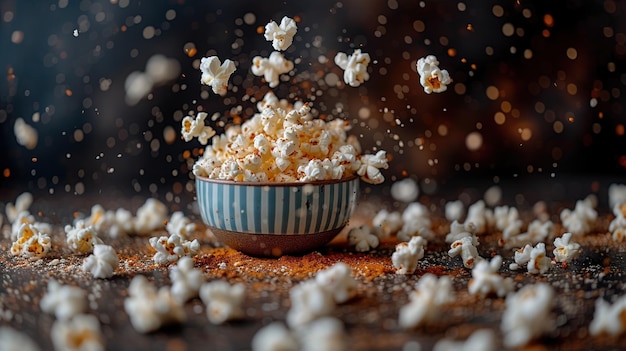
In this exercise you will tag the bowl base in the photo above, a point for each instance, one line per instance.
(274, 245)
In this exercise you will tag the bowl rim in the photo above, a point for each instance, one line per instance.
(276, 184)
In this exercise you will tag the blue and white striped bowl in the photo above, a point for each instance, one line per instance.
(273, 219)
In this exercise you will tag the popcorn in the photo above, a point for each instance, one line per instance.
(425, 302)
(581, 219)
(13, 340)
(323, 334)
(478, 215)
(354, 66)
(482, 339)
(181, 225)
(537, 232)
(216, 74)
(486, 280)
(617, 194)
(64, 301)
(405, 190)
(274, 337)
(539, 262)
(459, 231)
(416, 222)
(23, 217)
(281, 35)
(271, 68)
(617, 227)
(186, 280)
(432, 78)
(102, 263)
(223, 301)
(118, 223)
(150, 309)
(507, 220)
(339, 282)
(170, 249)
(82, 332)
(195, 128)
(309, 301)
(371, 166)
(30, 243)
(81, 238)
(522, 257)
(527, 314)
(564, 249)
(25, 134)
(405, 257)
(467, 249)
(609, 319)
(362, 239)
(150, 216)
(386, 223)
(97, 218)
(22, 204)
(454, 210)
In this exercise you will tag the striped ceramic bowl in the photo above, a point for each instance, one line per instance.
(274, 219)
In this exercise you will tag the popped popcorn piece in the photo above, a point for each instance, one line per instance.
(216, 74)
(150, 216)
(81, 238)
(170, 249)
(22, 204)
(416, 222)
(323, 334)
(617, 227)
(64, 301)
(539, 262)
(617, 194)
(281, 35)
(97, 217)
(507, 220)
(181, 225)
(309, 301)
(31, 243)
(607, 318)
(527, 314)
(271, 68)
(466, 248)
(481, 339)
(338, 280)
(522, 257)
(425, 302)
(478, 215)
(354, 67)
(148, 308)
(454, 210)
(25, 134)
(459, 231)
(23, 217)
(223, 301)
(405, 257)
(486, 280)
(432, 78)
(81, 332)
(13, 340)
(186, 280)
(195, 128)
(274, 337)
(362, 238)
(118, 223)
(386, 223)
(102, 263)
(405, 190)
(536, 232)
(581, 220)
(371, 166)
(564, 249)
(162, 69)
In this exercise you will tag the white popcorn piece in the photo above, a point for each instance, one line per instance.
(362, 238)
(527, 314)
(486, 280)
(81, 238)
(80, 333)
(162, 69)
(181, 225)
(151, 216)
(433, 79)
(25, 134)
(617, 194)
(216, 74)
(564, 249)
(13, 340)
(405, 190)
(617, 227)
(323, 334)
(478, 214)
(539, 263)
(195, 128)
(102, 263)
(459, 231)
(170, 249)
(339, 281)
(467, 249)
(309, 301)
(405, 257)
(22, 204)
(425, 302)
(97, 217)
(417, 222)
(31, 243)
(281, 35)
(149, 309)
(536, 232)
(271, 68)
(481, 339)
(609, 319)
(223, 301)
(581, 220)
(274, 337)
(507, 220)
(522, 257)
(186, 280)
(23, 217)
(454, 210)
(64, 301)
(354, 67)
(386, 223)
(371, 166)
(118, 223)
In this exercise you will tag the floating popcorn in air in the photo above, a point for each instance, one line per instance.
(486, 280)
(216, 74)
(405, 257)
(362, 238)
(170, 249)
(539, 262)
(371, 166)
(195, 128)
(274, 337)
(309, 301)
(223, 301)
(271, 68)
(607, 318)
(564, 249)
(64, 301)
(323, 334)
(22, 204)
(527, 314)
(13, 340)
(82, 332)
(162, 69)
(507, 220)
(31, 243)
(150, 216)
(537, 232)
(354, 66)
(338, 280)
(581, 219)
(103, 262)
(25, 134)
(459, 231)
(432, 78)
(137, 86)
(466, 248)
(426, 301)
(404, 190)
(186, 280)
(148, 308)
(454, 210)
(617, 194)
(81, 238)
(481, 339)
(281, 35)
(386, 223)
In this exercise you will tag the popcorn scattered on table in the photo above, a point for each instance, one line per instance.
(271, 68)
(309, 301)
(405, 190)
(216, 74)
(459, 231)
(81, 332)
(582, 219)
(223, 301)
(522, 257)
(607, 318)
(362, 238)
(354, 66)
(186, 280)
(539, 262)
(527, 314)
(507, 220)
(617, 227)
(119, 223)
(617, 194)
(537, 232)
(454, 210)
(386, 223)
(323, 334)
(426, 301)
(170, 249)
(97, 218)
(481, 339)
(467, 249)
(486, 280)
(405, 257)
(150, 309)
(151, 216)
(23, 217)
(81, 238)
(13, 340)
(564, 249)
(64, 301)
(195, 128)
(274, 337)
(339, 281)
(102, 263)
(478, 215)
(432, 78)
(417, 222)
(281, 35)
(25, 134)
(31, 243)
(22, 204)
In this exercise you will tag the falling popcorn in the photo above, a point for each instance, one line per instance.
(354, 66)
(431, 77)
(216, 74)
(271, 68)
(281, 35)
(25, 134)
(195, 127)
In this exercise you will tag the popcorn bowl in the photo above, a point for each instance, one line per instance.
(275, 219)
